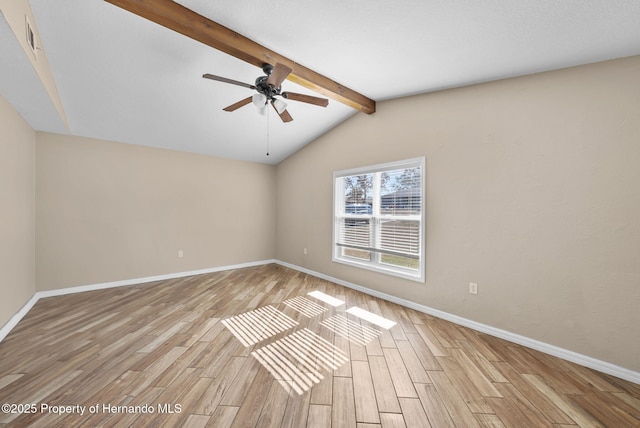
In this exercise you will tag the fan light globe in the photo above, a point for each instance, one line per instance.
(280, 106)
(259, 100)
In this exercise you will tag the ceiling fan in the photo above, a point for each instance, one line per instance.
(268, 87)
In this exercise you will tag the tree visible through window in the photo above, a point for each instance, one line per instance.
(379, 218)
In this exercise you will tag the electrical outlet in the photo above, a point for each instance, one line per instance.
(304, 251)
(473, 288)
(180, 253)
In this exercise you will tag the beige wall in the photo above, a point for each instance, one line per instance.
(533, 192)
(17, 211)
(108, 211)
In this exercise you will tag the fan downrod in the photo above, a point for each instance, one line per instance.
(267, 68)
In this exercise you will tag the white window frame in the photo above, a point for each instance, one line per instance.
(339, 215)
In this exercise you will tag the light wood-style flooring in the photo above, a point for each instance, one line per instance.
(172, 353)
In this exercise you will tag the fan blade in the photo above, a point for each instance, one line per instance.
(322, 102)
(237, 105)
(285, 116)
(277, 76)
(225, 80)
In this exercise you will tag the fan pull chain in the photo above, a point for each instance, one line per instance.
(267, 131)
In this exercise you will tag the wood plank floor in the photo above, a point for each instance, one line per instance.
(251, 348)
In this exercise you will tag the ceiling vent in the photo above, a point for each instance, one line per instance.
(31, 37)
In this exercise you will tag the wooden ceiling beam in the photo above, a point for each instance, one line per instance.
(178, 18)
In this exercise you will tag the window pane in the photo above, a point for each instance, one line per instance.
(357, 193)
(401, 192)
(358, 254)
(404, 262)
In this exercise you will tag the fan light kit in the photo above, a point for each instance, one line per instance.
(268, 87)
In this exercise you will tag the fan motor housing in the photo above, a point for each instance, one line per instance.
(264, 88)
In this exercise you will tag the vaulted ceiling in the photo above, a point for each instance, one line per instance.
(124, 78)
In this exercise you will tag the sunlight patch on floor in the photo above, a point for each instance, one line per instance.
(326, 298)
(302, 358)
(257, 325)
(297, 361)
(372, 318)
(305, 306)
(350, 330)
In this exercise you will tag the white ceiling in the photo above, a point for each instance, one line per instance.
(126, 79)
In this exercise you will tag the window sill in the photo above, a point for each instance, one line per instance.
(410, 274)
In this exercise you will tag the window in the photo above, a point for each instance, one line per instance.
(379, 218)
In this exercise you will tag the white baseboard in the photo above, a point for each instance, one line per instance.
(14, 320)
(565, 354)
(583, 360)
(6, 329)
(113, 284)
